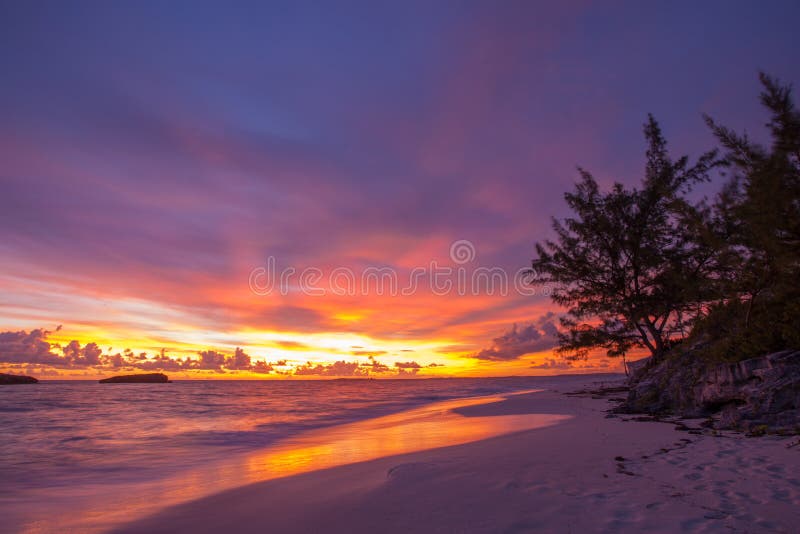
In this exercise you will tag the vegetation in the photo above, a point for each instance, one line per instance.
(649, 268)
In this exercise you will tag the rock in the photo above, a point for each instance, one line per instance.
(752, 395)
(664, 388)
(636, 366)
(759, 392)
(17, 379)
(151, 378)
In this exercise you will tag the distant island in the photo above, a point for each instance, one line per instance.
(17, 379)
(150, 378)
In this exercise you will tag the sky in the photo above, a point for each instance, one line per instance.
(265, 190)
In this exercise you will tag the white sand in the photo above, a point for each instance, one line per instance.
(562, 478)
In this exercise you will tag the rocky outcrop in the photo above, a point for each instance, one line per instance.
(753, 395)
(760, 392)
(17, 379)
(664, 388)
(150, 378)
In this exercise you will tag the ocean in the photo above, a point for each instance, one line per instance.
(69, 445)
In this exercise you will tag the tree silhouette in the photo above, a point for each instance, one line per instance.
(760, 208)
(632, 266)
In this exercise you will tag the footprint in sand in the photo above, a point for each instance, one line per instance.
(768, 525)
(728, 507)
(691, 525)
(781, 495)
(745, 518)
(742, 464)
(749, 498)
(410, 470)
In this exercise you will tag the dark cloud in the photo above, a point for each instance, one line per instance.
(164, 362)
(239, 361)
(211, 360)
(552, 363)
(32, 348)
(262, 367)
(21, 348)
(359, 369)
(519, 341)
(339, 368)
(407, 368)
(376, 367)
(87, 355)
(28, 347)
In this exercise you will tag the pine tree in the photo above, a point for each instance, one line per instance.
(632, 266)
(760, 207)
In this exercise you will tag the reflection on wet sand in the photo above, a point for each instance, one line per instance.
(423, 428)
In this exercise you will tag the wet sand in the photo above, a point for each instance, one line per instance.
(581, 471)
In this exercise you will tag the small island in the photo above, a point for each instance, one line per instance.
(17, 379)
(150, 378)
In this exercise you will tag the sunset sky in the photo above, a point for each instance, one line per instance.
(155, 156)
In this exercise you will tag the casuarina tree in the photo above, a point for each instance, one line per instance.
(632, 266)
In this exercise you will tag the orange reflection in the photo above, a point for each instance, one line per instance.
(423, 428)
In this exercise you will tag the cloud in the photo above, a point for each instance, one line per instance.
(535, 337)
(262, 367)
(239, 361)
(27, 347)
(552, 363)
(192, 173)
(32, 348)
(87, 355)
(412, 368)
(211, 359)
(376, 367)
(339, 368)
(360, 369)
(18, 348)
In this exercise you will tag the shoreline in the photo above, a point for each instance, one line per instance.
(100, 507)
(587, 472)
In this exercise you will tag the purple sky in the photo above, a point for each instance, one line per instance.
(154, 153)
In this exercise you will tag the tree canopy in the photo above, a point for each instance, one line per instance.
(647, 267)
